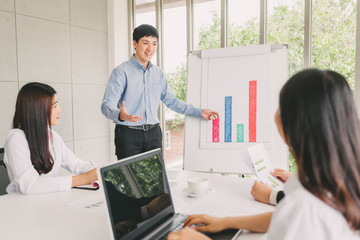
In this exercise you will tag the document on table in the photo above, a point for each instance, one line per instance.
(262, 166)
(93, 204)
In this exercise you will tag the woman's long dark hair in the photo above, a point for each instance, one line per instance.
(33, 116)
(321, 126)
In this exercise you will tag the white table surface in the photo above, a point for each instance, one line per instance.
(231, 197)
(45, 216)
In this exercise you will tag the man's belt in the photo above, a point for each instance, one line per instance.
(144, 127)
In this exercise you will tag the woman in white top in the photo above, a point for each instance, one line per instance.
(34, 152)
(318, 121)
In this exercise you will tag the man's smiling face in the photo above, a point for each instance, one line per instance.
(145, 49)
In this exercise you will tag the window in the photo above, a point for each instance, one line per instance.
(286, 25)
(207, 24)
(168, 139)
(174, 35)
(244, 23)
(145, 14)
(333, 37)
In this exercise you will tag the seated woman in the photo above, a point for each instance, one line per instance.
(317, 119)
(34, 152)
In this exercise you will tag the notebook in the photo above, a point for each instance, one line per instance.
(138, 199)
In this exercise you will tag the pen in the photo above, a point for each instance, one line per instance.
(92, 164)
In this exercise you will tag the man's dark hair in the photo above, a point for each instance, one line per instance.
(144, 30)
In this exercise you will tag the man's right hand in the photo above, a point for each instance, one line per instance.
(124, 116)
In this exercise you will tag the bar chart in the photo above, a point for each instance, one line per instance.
(242, 95)
(228, 125)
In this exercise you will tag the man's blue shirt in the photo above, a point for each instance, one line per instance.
(141, 89)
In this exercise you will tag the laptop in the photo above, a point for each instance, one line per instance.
(138, 199)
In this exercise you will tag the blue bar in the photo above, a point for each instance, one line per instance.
(228, 118)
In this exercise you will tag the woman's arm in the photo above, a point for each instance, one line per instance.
(85, 178)
(256, 223)
(68, 159)
(23, 176)
(261, 192)
(265, 194)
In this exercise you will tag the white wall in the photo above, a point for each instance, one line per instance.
(63, 43)
(118, 45)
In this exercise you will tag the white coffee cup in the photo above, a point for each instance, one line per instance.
(198, 185)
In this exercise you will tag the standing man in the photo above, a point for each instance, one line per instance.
(139, 85)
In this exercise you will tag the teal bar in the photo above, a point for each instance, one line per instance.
(240, 133)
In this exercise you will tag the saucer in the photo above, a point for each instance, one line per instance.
(195, 195)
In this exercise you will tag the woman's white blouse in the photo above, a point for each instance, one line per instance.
(23, 176)
(301, 215)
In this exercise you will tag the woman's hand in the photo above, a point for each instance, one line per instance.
(85, 178)
(92, 175)
(261, 192)
(188, 234)
(281, 174)
(208, 223)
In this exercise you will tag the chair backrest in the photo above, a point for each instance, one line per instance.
(4, 177)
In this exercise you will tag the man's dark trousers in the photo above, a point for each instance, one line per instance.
(129, 142)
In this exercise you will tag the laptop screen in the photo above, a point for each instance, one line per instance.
(137, 194)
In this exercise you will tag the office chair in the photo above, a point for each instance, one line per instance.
(4, 177)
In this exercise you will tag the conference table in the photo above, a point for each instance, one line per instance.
(65, 215)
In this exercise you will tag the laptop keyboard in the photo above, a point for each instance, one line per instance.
(177, 225)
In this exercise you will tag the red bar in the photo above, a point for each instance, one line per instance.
(252, 110)
(215, 130)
